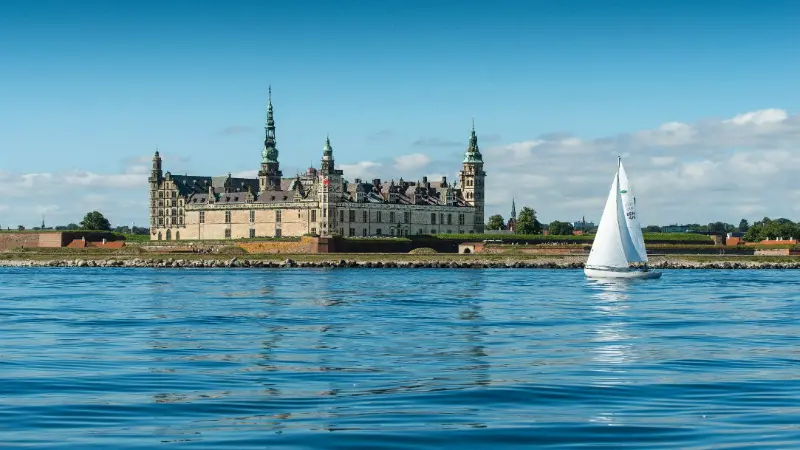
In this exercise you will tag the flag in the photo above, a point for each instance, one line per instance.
(326, 181)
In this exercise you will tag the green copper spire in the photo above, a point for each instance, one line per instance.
(327, 156)
(473, 153)
(270, 152)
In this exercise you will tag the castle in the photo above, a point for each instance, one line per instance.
(320, 202)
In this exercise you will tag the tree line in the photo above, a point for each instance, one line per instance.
(782, 228)
(94, 221)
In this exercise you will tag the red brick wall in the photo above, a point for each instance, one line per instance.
(9, 241)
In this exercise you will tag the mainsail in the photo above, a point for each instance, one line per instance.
(631, 219)
(613, 247)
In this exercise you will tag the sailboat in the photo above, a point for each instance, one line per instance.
(619, 243)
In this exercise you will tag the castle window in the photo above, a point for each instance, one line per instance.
(174, 211)
(180, 220)
(284, 198)
(169, 235)
(161, 203)
(324, 213)
(313, 215)
(341, 215)
(433, 218)
(391, 216)
(160, 195)
(202, 217)
(252, 233)
(391, 231)
(441, 218)
(406, 217)
(160, 212)
(313, 230)
(252, 216)
(364, 217)
(159, 235)
(227, 217)
(433, 231)
(278, 216)
(352, 216)
(177, 235)
(161, 221)
(419, 231)
(378, 231)
(449, 219)
(378, 217)
(352, 231)
(227, 233)
(364, 232)
(461, 219)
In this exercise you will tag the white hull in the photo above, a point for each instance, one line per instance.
(629, 274)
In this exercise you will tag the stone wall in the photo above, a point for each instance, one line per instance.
(772, 252)
(306, 244)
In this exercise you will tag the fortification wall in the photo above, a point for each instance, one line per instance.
(306, 244)
(10, 241)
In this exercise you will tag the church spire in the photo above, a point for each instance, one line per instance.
(513, 209)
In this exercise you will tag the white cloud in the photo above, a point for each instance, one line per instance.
(4, 208)
(761, 117)
(364, 169)
(712, 170)
(412, 162)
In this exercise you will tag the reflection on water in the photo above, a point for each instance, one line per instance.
(610, 301)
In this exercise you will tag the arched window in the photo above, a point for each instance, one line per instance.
(169, 235)
(177, 235)
(159, 235)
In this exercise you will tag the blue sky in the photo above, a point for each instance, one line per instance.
(91, 88)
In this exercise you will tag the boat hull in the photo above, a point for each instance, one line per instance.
(628, 274)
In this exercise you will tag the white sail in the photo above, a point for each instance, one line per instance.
(631, 219)
(608, 249)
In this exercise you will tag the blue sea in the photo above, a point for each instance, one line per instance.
(396, 358)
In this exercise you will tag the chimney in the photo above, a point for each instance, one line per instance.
(444, 180)
(424, 180)
(376, 182)
(357, 180)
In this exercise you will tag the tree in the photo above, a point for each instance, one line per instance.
(495, 222)
(743, 225)
(717, 227)
(652, 229)
(95, 221)
(562, 228)
(527, 223)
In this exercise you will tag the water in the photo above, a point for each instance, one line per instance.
(361, 358)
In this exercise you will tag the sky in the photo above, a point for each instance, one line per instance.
(700, 99)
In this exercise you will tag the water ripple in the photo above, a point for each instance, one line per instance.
(306, 358)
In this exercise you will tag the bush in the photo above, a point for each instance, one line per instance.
(423, 251)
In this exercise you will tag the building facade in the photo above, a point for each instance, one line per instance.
(320, 201)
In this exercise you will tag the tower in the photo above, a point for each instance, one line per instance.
(269, 177)
(156, 177)
(330, 190)
(472, 179)
(327, 157)
(512, 221)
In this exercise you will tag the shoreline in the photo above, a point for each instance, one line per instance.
(386, 263)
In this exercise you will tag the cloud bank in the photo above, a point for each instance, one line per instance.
(743, 166)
